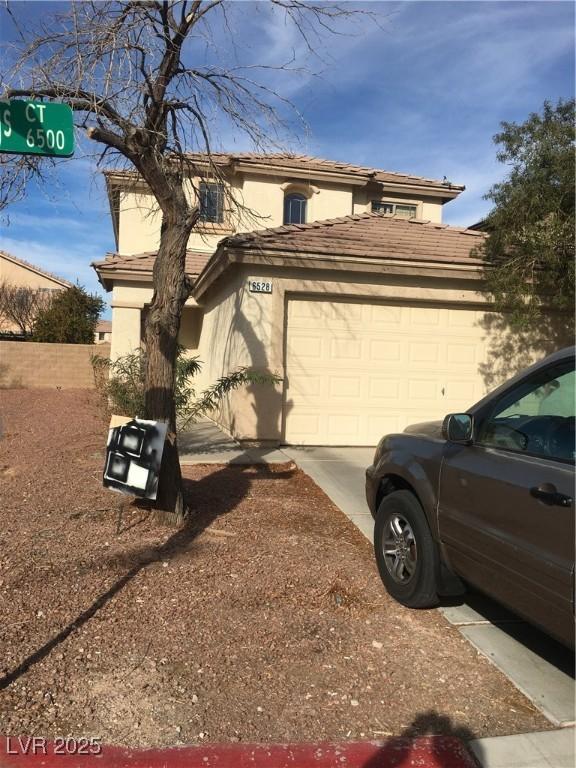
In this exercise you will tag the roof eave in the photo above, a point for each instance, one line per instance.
(226, 256)
(262, 169)
(107, 275)
(445, 192)
(428, 188)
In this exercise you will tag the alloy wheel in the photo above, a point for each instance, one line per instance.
(399, 547)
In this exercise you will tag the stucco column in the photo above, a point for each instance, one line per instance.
(125, 331)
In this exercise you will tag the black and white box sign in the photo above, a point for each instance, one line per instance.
(134, 455)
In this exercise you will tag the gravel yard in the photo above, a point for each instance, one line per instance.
(263, 619)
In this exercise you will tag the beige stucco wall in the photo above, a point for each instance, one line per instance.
(139, 223)
(126, 331)
(260, 204)
(129, 300)
(238, 331)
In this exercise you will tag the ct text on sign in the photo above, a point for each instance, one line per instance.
(36, 128)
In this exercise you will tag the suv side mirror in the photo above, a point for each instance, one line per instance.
(458, 428)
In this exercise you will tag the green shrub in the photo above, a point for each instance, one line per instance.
(69, 318)
(121, 385)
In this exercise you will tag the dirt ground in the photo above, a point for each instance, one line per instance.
(263, 619)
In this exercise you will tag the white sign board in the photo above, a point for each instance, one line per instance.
(260, 286)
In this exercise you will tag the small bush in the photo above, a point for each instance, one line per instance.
(121, 385)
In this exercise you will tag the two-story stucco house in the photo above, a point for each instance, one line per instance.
(348, 286)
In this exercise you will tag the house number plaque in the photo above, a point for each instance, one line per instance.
(260, 286)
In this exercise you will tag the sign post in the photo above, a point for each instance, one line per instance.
(36, 128)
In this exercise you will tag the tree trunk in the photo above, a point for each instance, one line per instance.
(171, 289)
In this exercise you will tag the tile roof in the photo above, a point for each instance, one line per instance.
(312, 164)
(142, 263)
(104, 326)
(35, 268)
(368, 235)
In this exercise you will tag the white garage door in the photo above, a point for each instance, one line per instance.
(356, 370)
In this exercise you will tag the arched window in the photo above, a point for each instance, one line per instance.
(294, 209)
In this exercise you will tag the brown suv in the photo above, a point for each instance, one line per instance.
(485, 498)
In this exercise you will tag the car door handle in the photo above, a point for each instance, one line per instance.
(549, 495)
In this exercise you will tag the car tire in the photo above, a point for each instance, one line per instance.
(406, 553)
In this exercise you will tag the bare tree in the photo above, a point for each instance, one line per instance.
(20, 306)
(138, 77)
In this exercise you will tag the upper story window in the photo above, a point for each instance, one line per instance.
(211, 202)
(398, 209)
(294, 209)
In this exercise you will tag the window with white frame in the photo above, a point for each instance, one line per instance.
(295, 208)
(402, 210)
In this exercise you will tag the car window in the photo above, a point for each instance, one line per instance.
(537, 417)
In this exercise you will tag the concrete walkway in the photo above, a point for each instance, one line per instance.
(205, 443)
(541, 668)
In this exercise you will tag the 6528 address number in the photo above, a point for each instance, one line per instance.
(260, 286)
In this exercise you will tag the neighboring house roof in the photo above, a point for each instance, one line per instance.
(103, 326)
(140, 265)
(364, 237)
(33, 268)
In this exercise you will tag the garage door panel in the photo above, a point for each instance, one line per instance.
(356, 371)
(470, 318)
(424, 353)
(306, 346)
(423, 389)
(383, 425)
(382, 389)
(307, 386)
(381, 315)
(424, 316)
(306, 425)
(344, 386)
(464, 354)
(343, 349)
(346, 424)
(385, 350)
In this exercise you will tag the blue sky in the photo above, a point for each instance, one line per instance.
(422, 93)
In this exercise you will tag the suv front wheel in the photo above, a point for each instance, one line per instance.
(406, 553)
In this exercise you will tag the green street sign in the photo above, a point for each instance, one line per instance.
(36, 128)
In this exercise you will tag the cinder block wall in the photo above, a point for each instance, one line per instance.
(35, 365)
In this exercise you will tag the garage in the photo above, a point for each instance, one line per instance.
(356, 370)
(370, 323)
